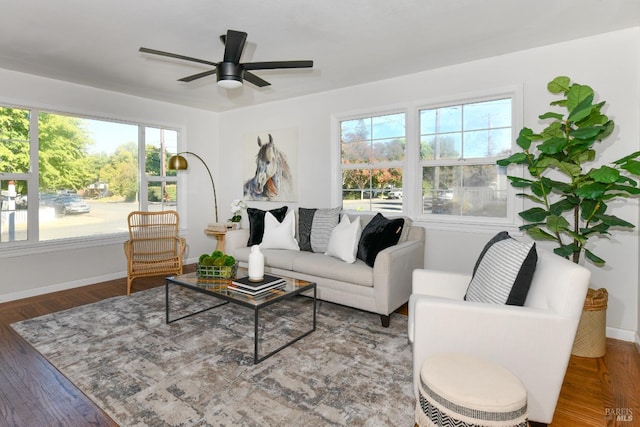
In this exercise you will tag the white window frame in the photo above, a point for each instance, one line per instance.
(336, 148)
(412, 168)
(33, 245)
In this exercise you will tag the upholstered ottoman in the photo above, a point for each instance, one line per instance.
(462, 390)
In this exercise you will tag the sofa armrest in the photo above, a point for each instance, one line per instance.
(392, 274)
(236, 239)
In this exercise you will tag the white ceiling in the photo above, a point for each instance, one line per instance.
(96, 42)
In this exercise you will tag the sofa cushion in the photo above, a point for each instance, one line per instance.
(343, 243)
(279, 235)
(503, 272)
(276, 258)
(256, 223)
(321, 265)
(305, 221)
(324, 221)
(378, 234)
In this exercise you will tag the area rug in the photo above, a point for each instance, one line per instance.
(199, 371)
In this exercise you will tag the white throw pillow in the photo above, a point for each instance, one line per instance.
(344, 239)
(279, 235)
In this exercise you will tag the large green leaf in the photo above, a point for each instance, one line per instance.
(600, 228)
(593, 258)
(577, 94)
(591, 191)
(534, 214)
(614, 221)
(604, 174)
(531, 197)
(559, 84)
(518, 182)
(590, 208)
(553, 145)
(586, 133)
(561, 206)
(551, 115)
(516, 158)
(557, 223)
(582, 110)
(539, 234)
(524, 138)
(566, 251)
(632, 166)
(627, 158)
(608, 129)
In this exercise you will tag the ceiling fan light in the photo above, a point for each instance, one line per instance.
(229, 83)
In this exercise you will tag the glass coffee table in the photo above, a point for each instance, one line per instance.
(218, 288)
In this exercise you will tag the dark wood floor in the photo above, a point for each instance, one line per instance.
(33, 393)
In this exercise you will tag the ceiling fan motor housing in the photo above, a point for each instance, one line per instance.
(229, 71)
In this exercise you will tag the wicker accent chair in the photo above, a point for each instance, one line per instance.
(154, 246)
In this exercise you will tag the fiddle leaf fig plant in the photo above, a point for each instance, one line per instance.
(572, 196)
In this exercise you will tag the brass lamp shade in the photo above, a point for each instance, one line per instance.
(177, 162)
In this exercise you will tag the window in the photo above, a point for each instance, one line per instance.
(459, 147)
(65, 177)
(372, 160)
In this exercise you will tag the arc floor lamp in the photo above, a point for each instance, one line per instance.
(178, 162)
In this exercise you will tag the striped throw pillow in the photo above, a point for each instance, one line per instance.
(503, 272)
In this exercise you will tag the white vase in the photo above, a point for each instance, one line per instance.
(256, 264)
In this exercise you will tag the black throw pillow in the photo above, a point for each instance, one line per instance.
(379, 234)
(256, 222)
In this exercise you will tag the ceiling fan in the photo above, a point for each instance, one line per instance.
(230, 72)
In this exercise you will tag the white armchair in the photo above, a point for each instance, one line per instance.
(534, 342)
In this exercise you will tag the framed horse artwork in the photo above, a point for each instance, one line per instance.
(270, 166)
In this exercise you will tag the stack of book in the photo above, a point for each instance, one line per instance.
(257, 289)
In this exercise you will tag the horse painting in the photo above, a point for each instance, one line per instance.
(272, 179)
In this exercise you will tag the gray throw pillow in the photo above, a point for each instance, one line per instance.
(324, 221)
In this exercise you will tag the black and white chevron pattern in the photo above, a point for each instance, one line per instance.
(441, 419)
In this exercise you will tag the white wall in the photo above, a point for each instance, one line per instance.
(22, 276)
(609, 63)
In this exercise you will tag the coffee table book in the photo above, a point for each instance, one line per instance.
(267, 282)
(258, 294)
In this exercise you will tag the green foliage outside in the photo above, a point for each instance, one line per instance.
(573, 196)
(64, 159)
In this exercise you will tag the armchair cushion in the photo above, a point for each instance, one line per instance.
(503, 272)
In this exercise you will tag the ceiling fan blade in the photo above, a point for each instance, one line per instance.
(176, 56)
(252, 78)
(272, 65)
(234, 44)
(197, 76)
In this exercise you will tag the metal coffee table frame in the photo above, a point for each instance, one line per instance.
(218, 289)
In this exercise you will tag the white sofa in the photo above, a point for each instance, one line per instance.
(381, 289)
(534, 342)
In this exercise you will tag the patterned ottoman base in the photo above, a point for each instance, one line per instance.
(461, 390)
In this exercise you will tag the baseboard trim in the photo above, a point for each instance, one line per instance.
(60, 287)
(622, 334)
(70, 285)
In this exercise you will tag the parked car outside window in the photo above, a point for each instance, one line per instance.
(65, 205)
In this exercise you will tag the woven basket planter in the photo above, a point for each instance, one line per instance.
(591, 335)
(216, 272)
